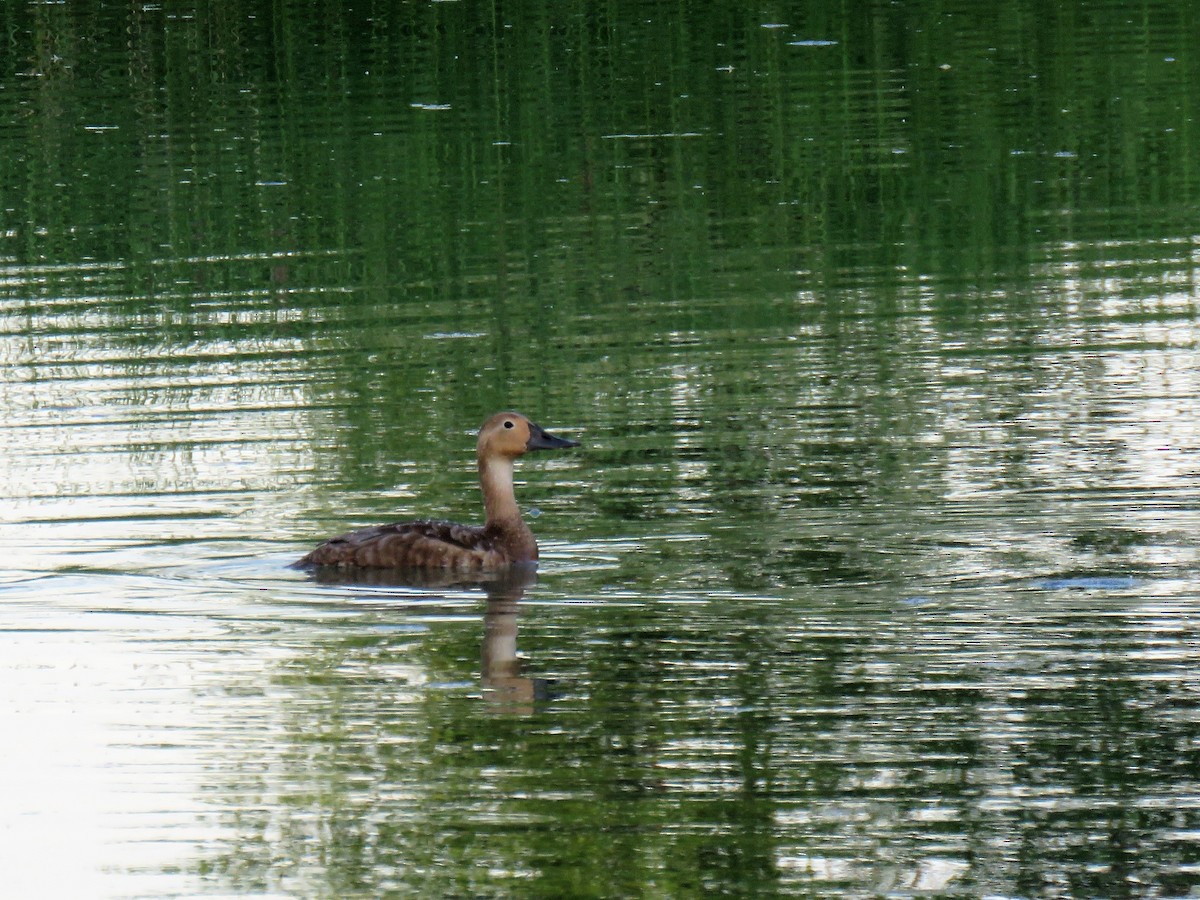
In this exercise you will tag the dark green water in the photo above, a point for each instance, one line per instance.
(876, 574)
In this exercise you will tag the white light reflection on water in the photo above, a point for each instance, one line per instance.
(127, 707)
(103, 752)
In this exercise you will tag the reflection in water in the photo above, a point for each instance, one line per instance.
(884, 318)
(504, 687)
(510, 580)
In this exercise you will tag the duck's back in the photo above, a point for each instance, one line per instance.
(427, 544)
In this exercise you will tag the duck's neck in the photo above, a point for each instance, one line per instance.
(504, 520)
(496, 481)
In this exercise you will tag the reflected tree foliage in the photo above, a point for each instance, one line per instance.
(837, 290)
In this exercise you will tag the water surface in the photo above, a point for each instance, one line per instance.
(875, 575)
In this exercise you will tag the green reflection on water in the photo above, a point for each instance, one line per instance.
(839, 297)
(436, 149)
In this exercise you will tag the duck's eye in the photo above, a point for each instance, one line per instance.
(508, 424)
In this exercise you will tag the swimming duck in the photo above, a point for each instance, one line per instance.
(503, 540)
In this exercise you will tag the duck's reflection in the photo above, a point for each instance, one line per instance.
(505, 689)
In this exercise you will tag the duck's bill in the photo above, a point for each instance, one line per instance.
(541, 439)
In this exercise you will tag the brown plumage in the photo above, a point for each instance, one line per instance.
(504, 539)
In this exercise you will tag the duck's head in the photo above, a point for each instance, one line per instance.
(511, 434)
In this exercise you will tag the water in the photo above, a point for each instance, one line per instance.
(875, 575)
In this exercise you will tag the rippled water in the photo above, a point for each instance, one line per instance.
(874, 576)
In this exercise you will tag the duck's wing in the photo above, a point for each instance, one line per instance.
(402, 545)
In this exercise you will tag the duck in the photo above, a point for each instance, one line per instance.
(504, 540)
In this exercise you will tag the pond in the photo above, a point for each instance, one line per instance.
(875, 573)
